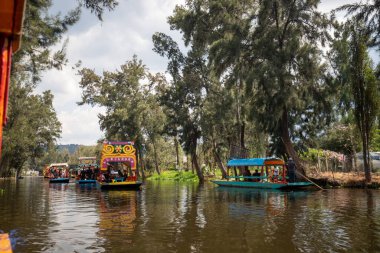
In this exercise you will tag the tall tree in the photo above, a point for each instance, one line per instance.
(30, 131)
(185, 96)
(28, 134)
(276, 42)
(367, 12)
(132, 113)
(365, 91)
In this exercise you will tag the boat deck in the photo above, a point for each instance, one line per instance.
(263, 185)
(125, 185)
(59, 180)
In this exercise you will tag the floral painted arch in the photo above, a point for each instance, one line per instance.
(118, 152)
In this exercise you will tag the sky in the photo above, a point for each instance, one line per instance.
(106, 45)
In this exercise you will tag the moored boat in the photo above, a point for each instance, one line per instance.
(118, 167)
(59, 173)
(46, 172)
(87, 170)
(270, 173)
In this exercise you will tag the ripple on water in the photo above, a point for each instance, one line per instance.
(181, 217)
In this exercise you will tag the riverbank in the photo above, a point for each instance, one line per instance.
(173, 175)
(345, 180)
(324, 179)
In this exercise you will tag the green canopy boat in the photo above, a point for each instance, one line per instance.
(270, 173)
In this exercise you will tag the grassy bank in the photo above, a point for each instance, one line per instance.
(346, 180)
(182, 176)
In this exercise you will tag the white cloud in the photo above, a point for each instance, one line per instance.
(80, 125)
(104, 46)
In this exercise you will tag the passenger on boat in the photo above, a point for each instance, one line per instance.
(82, 175)
(257, 175)
(276, 173)
(107, 177)
(89, 173)
(125, 175)
(54, 172)
(96, 173)
(246, 173)
(291, 170)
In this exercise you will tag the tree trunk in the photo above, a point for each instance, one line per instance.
(197, 168)
(176, 144)
(288, 143)
(156, 158)
(242, 135)
(192, 164)
(366, 159)
(318, 164)
(187, 163)
(139, 167)
(219, 161)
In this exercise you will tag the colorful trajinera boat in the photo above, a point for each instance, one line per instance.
(118, 166)
(46, 171)
(59, 173)
(270, 173)
(87, 170)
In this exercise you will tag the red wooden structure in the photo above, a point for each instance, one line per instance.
(11, 19)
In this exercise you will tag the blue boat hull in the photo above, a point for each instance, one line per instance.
(88, 181)
(59, 180)
(262, 185)
(134, 185)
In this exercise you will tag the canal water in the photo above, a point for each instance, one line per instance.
(185, 217)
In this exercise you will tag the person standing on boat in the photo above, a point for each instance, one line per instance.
(291, 170)
(257, 175)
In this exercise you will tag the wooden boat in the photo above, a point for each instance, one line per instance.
(5, 244)
(87, 170)
(118, 167)
(270, 174)
(46, 171)
(59, 173)
(59, 180)
(86, 181)
(124, 185)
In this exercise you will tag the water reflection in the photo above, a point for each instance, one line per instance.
(117, 215)
(186, 217)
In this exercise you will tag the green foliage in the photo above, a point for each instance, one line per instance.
(182, 176)
(342, 138)
(31, 129)
(368, 13)
(132, 108)
(269, 49)
(365, 90)
(375, 142)
(98, 6)
(312, 154)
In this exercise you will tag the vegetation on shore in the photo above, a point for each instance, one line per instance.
(257, 78)
(32, 129)
(181, 176)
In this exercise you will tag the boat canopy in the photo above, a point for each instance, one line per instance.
(255, 162)
(85, 162)
(118, 152)
(59, 165)
(87, 158)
